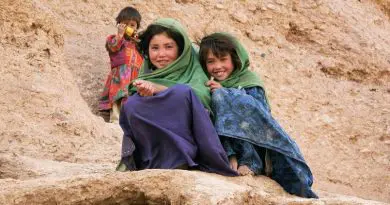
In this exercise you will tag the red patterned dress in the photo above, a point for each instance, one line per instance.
(126, 62)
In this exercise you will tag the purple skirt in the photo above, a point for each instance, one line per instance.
(169, 130)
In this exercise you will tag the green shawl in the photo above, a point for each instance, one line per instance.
(241, 77)
(186, 69)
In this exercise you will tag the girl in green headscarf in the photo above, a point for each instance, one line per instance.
(165, 123)
(162, 68)
(254, 141)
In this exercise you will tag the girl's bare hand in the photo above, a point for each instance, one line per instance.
(144, 88)
(121, 29)
(213, 85)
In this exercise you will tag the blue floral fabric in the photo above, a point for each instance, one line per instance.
(243, 118)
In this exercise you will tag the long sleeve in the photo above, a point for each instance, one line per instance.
(112, 44)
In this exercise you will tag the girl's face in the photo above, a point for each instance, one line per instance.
(163, 50)
(130, 23)
(219, 68)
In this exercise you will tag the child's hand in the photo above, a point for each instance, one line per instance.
(121, 30)
(144, 88)
(213, 85)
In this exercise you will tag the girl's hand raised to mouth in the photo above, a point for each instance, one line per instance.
(213, 84)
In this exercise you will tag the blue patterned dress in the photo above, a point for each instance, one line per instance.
(247, 130)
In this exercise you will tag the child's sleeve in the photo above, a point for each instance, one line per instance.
(112, 44)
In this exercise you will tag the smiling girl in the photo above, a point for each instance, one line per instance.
(254, 141)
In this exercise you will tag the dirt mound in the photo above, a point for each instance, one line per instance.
(326, 67)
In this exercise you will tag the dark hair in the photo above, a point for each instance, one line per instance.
(129, 13)
(153, 30)
(220, 45)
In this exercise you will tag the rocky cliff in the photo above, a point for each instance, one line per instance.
(326, 67)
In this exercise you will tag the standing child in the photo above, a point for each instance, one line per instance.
(254, 141)
(125, 61)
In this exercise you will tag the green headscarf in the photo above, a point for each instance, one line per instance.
(241, 77)
(186, 69)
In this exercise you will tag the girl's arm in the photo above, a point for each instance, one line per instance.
(114, 43)
(146, 88)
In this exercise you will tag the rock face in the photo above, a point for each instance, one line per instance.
(160, 187)
(326, 67)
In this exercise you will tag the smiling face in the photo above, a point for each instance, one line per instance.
(220, 68)
(163, 50)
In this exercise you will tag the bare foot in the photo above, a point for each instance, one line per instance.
(244, 170)
(233, 163)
